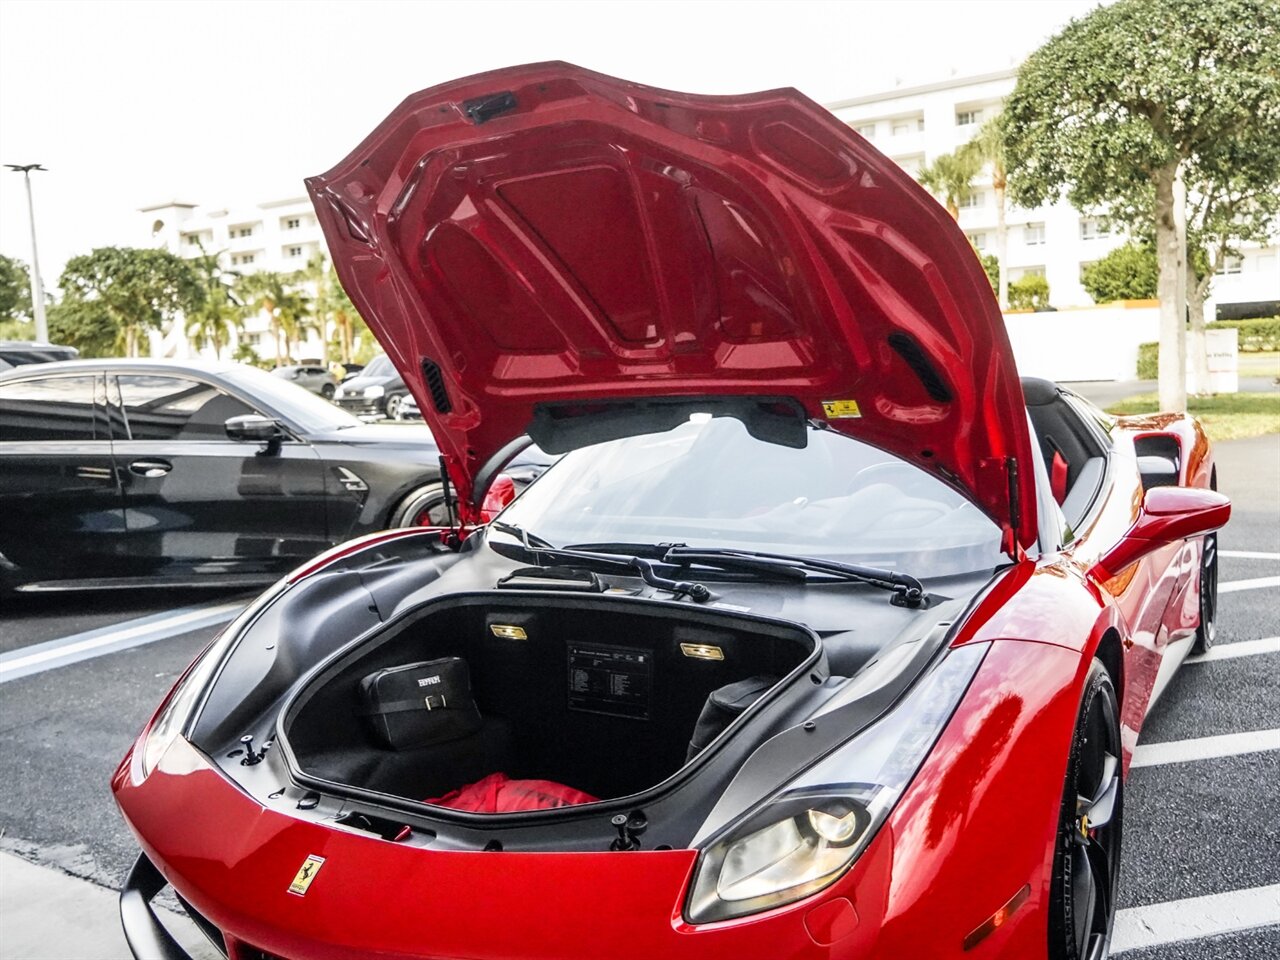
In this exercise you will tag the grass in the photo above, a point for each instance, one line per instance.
(1260, 364)
(1226, 416)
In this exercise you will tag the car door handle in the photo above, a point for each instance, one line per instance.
(150, 468)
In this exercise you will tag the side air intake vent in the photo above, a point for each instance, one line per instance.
(435, 383)
(911, 352)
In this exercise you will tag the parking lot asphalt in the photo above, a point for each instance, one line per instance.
(1192, 829)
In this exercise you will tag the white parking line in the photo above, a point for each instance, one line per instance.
(1243, 648)
(121, 636)
(1205, 748)
(1191, 919)
(1231, 586)
(1248, 555)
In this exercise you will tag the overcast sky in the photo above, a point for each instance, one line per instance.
(229, 102)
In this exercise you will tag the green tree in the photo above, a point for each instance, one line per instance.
(1029, 293)
(15, 294)
(1126, 273)
(948, 178)
(287, 308)
(1234, 197)
(991, 265)
(1123, 106)
(987, 149)
(86, 326)
(121, 293)
(213, 323)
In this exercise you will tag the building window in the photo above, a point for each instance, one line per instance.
(1093, 229)
(967, 118)
(193, 239)
(293, 223)
(979, 240)
(294, 251)
(1033, 234)
(1026, 272)
(973, 200)
(1084, 265)
(901, 127)
(867, 130)
(920, 124)
(1230, 265)
(241, 259)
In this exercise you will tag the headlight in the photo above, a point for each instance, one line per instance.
(374, 392)
(338, 393)
(808, 834)
(173, 716)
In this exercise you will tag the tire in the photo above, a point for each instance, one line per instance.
(1207, 631)
(394, 403)
(1086, 860)
(423, 507)
(327, 390)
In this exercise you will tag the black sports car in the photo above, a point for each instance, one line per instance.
(122, 473)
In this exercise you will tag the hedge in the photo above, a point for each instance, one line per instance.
(1256, 336)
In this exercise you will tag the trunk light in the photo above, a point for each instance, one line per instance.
(701, 651)
(508, 632)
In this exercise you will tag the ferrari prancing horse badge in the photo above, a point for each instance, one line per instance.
(306, 873)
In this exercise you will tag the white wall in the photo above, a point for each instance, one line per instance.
(1095, 344)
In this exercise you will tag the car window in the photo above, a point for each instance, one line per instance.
(292, 401)
(50, 408)
(378, 367)
(709, 483)
(175, 408)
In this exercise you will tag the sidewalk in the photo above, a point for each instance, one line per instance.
(47, 915)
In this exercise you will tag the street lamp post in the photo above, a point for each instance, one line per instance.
(37, 285)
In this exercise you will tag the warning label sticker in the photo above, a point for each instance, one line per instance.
(613, 680)
(841, 409)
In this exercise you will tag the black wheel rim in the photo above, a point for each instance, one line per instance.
(1209, 589)
(1094, 834)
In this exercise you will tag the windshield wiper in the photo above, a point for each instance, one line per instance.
(541, 550)
(907, 590)
(530, 541)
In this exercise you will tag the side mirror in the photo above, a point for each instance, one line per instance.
(253, 428)
(1168, 514)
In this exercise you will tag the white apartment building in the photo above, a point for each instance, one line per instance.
(912, 126)
(278, 235)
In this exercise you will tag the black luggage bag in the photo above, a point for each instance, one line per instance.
(420, 704)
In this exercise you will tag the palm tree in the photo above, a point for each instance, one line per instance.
(947, 178)
(315, 277)
(286, 307)
(987, 148)
(219, 314)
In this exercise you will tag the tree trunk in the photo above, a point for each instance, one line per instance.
(1197, 347)
(1002, 245)
(1173, 335)
(275, 338)
(953, 208)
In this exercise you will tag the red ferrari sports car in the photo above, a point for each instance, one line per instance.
(826, 637)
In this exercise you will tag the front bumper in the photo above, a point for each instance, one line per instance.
(979, 823)
(361, 407)
(146, 935)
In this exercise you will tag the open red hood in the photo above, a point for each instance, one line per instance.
(548, 245)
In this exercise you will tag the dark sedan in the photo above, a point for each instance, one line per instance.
(376, 391)
(119, 473)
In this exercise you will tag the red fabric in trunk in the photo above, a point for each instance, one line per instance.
(498, 793)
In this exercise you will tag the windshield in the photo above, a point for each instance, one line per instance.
(378, 367)
(296, 404)
(707, 483)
